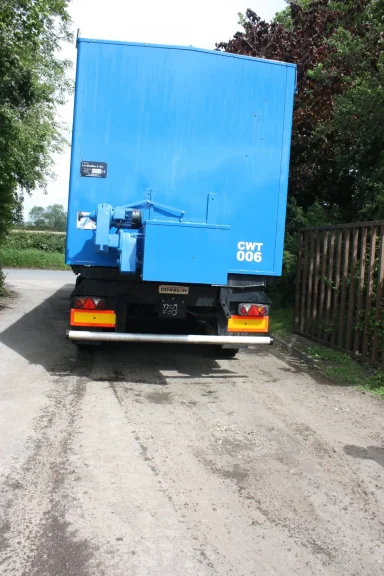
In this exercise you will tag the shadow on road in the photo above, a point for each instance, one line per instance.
(374, 453)
(39, 336)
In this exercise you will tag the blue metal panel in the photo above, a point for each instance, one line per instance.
(128, 252)
(186, 253)
(204, 133)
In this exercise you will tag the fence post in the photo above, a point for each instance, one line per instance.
(337, 286)
(360, 292)
(341, 339)
(379, 296)
(351, 303)
(368, 306)
(308, 322)
(329, 285)
(303, 287)
(298, 282)
(324, 245)
(314, 326)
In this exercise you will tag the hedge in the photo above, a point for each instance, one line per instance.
(45, 241)
(32, 258)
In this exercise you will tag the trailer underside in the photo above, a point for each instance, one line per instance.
(109, 306)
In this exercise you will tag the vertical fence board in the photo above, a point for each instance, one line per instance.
(337, 286)
(324, 250)
(314, 329)
(360, 292)
(368, 304)
(308, 323)
(341, 339)
(351, 302)
(379, 297)
(329, 294)
(298, 281)
(304, 283)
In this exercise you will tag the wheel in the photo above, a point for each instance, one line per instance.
(228, 352)
(85, 345)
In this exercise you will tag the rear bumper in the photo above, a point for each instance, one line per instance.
(168, 338)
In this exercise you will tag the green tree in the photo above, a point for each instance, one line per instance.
(56, 217)
(18, 212)
(36, 217)
(33, 82)
(53, 217)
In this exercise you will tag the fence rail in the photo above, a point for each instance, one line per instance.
(339, 288)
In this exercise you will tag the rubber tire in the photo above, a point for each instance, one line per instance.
(86, 345)
(228, 352)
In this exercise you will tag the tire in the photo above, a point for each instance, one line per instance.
(228, 352)
(86, 345)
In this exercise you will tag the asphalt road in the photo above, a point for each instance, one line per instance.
(145, 460)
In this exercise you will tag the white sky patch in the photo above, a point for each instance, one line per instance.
(199, 23)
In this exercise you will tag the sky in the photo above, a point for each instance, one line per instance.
(201, 23)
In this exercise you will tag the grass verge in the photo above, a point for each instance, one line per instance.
(345, 371)
(337, 366)
(282, 322)
(32, 258)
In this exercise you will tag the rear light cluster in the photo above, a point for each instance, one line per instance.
(258, 310)
(89, 303)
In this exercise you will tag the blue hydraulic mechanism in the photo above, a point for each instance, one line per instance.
(122, 219)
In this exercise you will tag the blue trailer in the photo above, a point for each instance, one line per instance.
(178, 192)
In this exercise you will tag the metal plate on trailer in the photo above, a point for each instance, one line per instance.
(174, 289)
(173, 308)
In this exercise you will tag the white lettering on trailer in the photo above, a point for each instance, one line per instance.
(250, 252)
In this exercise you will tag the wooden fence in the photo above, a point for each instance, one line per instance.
(339, 288)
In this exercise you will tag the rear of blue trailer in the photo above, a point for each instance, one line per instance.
(178, 190)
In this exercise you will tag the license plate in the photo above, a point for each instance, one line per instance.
(172, 308)
(182, 290)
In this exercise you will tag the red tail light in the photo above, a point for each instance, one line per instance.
(259, 310)
(89, 303)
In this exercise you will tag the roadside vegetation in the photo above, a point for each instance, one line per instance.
(340, 368)
(33, 82)
(32, 258)
(31, 249)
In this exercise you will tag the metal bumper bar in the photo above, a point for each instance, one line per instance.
(168, 338)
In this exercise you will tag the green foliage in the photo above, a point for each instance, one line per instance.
(3, 291)
(337, 366)
(53, 217)
(284, 18)
(337, 157)
(36, 217)
(281, 321)
(32, 258)
(36, 240)
(345, 371)
(282, 290)
(32, 82)
(27, 249)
